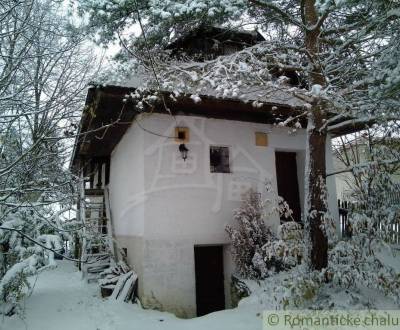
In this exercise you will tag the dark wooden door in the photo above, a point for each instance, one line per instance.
(209, 269)
(288, 186)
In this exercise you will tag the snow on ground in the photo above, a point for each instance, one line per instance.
(61, 300)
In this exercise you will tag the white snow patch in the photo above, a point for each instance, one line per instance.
(316, 89)
(63, 301)
(195, 98)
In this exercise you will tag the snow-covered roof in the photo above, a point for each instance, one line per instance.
(279, 95)
(109, 110)
(218, 32)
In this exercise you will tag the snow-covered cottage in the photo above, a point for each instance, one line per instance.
(171, 182)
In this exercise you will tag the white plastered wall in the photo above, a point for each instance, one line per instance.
(126, 182)
(167, 205)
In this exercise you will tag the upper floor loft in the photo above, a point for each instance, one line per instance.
(208, 42)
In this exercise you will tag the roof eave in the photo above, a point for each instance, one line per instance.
(104, 102)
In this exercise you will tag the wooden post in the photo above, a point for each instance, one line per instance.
(99, 165)
(82, 210)
(110, 227)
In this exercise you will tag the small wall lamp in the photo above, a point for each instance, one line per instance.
(184, 151)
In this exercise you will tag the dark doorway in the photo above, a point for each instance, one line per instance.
(286, 177)
(210, 296)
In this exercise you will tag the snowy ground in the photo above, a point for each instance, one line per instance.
(62, 301)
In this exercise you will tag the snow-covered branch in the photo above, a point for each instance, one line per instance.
(364, 165)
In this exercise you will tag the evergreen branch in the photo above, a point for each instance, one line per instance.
(285, 16)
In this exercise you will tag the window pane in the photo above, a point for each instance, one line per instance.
(219, 159)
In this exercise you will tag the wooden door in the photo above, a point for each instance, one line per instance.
(210, 296)
(288, 186)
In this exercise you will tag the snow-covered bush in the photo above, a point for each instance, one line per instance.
(288, 250)
(256, 250)
(358, 276)
(14, 282)
(357, 266)
(353, 279)
(362, 259)
(373, 216)
(352, 266)
(372, 159)
(250, 235)
(27, 246)
(375, 211)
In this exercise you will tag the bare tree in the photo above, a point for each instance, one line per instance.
(44, 69)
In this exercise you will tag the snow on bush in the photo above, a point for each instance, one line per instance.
(28, 246)
(372, 217)
(287, 251)
(356, 278)
(353, 279)
(14, 281)
(256, 250)
(250, 235)
(360, 267)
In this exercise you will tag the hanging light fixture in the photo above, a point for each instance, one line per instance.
(184, 151)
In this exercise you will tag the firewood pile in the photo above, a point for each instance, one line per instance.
(119, 282)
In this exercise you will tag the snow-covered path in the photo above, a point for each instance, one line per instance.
(62, 301)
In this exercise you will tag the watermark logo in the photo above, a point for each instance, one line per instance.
(331, 320)
(166, 171)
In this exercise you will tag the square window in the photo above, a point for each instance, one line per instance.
(219, 159)
(261, 139)
(182, 134)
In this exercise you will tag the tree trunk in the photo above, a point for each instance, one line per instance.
(315, 206)
(316, 201)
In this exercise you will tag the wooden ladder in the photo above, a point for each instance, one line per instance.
(96, 252)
